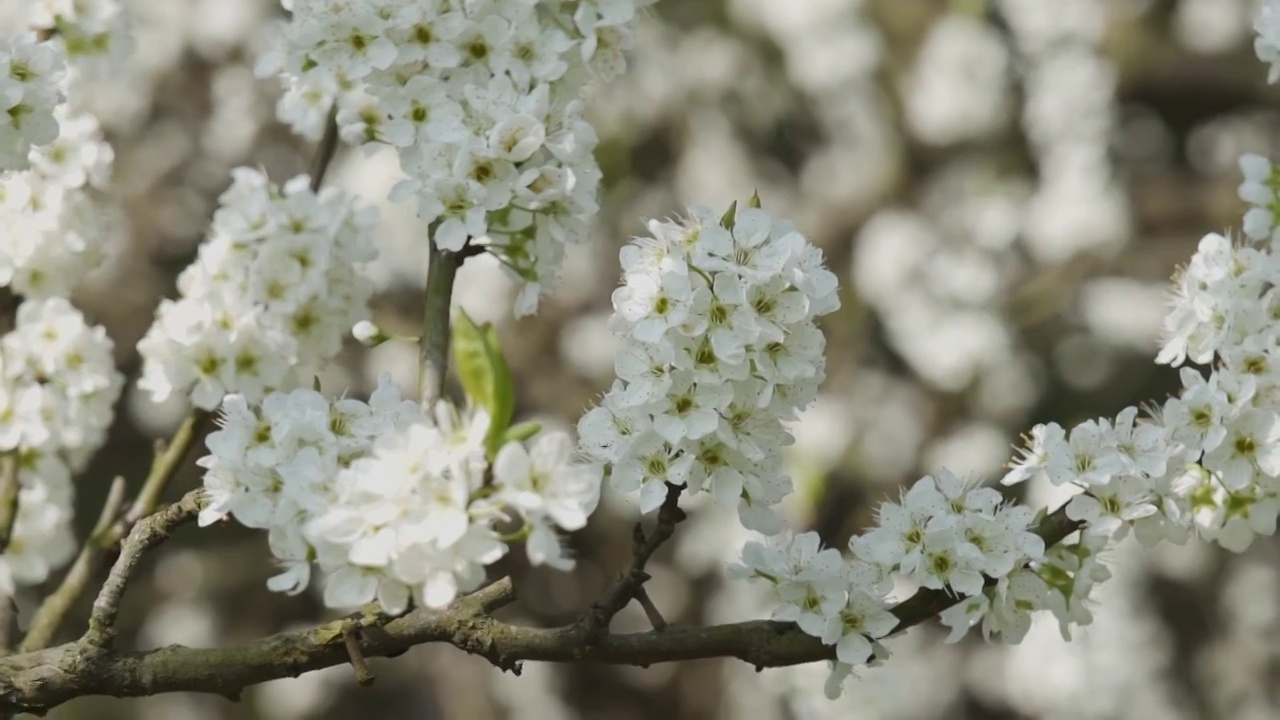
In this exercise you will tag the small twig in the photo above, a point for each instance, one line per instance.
(168, 460)
(351, 639)
(472, 249)
(325, 150)
(442, 269)
(148, 533)
(49, 617)
(595, 622)
(10, 485)
(650, 610)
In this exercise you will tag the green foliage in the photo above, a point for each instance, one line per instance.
(478, 360)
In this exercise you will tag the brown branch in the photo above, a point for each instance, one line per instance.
(442, 269)
(595, 622)
(168, 460)
(145, 535)
(325, 150)
(351, 641)
(38, 681)
(10, 486)
(651, 610)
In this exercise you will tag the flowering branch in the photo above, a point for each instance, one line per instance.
(39, 681)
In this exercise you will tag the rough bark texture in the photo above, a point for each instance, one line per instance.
(37, 681)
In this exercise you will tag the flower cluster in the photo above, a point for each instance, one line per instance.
(944, 534)
(56, 229)
(719, 348)
(94, 34)
(392, 505)
(31, 75)
(481, 99)
(270, 297)
(1267, 44)
(58, 382)
(58, 387)
(1208, 462)
(1261, 190)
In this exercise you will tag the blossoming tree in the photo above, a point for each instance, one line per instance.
(399, 505)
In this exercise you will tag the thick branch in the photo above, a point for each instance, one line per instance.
(442, 268)
(145, 535)
(35, 682)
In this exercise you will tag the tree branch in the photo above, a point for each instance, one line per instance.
(325, 149)
(10, 486)
(595, 622)
(168, 460)
(442, 269)
(145, 535)
(38, 681)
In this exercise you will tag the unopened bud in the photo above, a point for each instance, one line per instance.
(368, 334)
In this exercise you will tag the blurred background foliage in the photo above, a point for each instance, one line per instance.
(1004, 188)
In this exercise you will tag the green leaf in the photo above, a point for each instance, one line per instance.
(730, 216)
(754, 202)
(504, 394)
(522, 431)
(478, 361)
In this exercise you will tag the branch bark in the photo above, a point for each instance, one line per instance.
(595, 622)
(145, 535)
(10, 486)
(325, 150)
(38, 681)
(442, 269)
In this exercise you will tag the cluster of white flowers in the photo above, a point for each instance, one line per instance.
(1208, 461)
(1261, 190)
(58, 387)
(270, 297)
(57, 230)
(1204, 463)
(389, 503)
(483, 101)
(943, 535)
(1267, 43)
(93, 34)
(31, 76)
(719, 348)
(58, 381)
